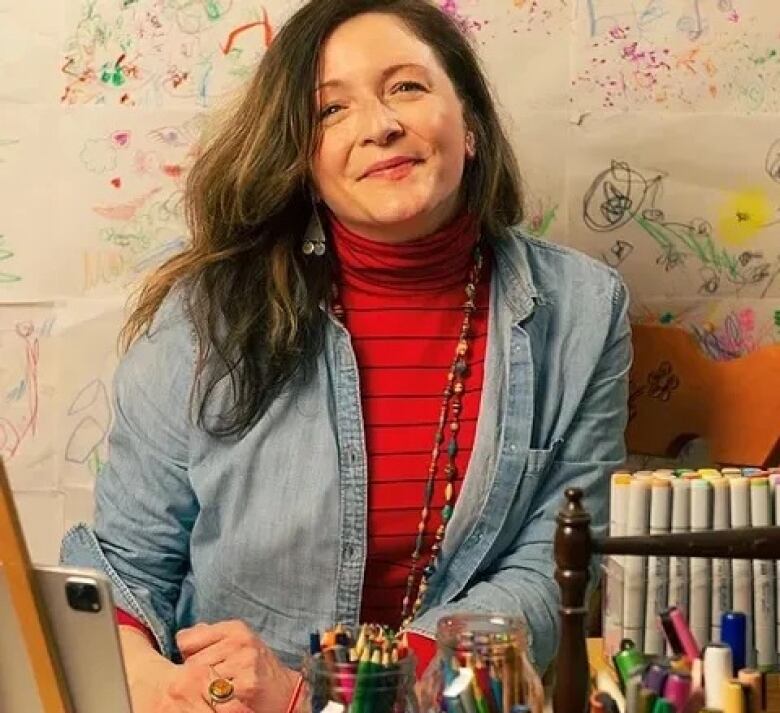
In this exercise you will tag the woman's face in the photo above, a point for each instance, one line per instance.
(392, 145)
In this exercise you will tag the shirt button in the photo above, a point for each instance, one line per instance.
(476, 536)
(349, 552)
(513, 447)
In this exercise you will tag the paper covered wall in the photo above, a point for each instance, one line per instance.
(646, 131)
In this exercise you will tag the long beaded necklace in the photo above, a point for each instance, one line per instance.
(451, 407)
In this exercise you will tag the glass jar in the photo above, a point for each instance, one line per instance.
(481, 665)
(361, 687)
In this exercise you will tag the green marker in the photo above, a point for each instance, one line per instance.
(628, 661)
(664, 705)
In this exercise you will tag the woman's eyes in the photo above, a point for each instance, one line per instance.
(404, 87)
(330, 110)
(409, 86)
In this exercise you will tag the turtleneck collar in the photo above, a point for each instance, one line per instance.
(432, 263)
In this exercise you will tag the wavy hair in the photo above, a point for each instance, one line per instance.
(253, 297)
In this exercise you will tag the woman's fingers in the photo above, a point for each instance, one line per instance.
(199, 637)
(212, 655)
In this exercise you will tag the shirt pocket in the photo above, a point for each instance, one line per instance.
(540, 459)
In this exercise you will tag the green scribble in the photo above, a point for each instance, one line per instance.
(213, 10)
(777, 318)
(111, 74)
(6, 254)
(768, 57)
(95, 463)
(666, 318)
(128, 3)
(677, 240)
(540, 226)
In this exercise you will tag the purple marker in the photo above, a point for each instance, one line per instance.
(655, 678)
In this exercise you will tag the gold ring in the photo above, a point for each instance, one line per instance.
(221, 690)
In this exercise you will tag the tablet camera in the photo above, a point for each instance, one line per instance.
(83, 596)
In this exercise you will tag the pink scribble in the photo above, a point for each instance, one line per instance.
(13, 435)
(124, 211)
(618, 33)
(733, 16)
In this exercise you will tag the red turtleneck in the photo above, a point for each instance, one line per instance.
(403, 307)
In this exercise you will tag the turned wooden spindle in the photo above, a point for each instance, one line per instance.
(573, 549)
(572, 557)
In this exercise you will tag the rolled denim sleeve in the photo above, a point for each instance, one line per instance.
(144, 504)
(521, 582)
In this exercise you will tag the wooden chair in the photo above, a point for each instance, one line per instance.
(574, 546)
(679, 393)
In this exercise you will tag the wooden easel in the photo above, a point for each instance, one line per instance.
(34, 624)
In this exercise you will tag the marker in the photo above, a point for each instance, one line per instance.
(742, 570)
(733, 629)
(751, 680)
(721, 568)
(679, 566)
(633, 688)
(657, 567)
(667, 626)
(733, 697)
(628, 662)
(701, 573)
(637, 523)
(677, 689)
(731, 472)
(613, 605)
(685, 636)
(774, 479)
(655, 677)
(460, 692)
(646, 700)
(763, 580)
(717, 668)
(662, 705)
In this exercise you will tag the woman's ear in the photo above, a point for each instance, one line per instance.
(471, 144)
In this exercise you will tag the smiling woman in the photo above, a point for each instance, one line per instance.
(394, 137)
(361, 390)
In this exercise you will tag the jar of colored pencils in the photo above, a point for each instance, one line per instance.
(482, 666)
(366, 670)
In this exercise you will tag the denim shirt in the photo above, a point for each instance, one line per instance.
(270, 528)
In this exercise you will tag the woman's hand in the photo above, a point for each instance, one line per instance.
(159, 686)
(231, 650)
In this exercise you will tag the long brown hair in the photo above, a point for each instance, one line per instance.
(253, 297)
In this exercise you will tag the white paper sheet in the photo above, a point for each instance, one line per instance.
(682, 205)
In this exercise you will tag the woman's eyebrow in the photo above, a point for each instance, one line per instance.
(386, 72)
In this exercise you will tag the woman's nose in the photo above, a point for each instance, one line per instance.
(379, 125)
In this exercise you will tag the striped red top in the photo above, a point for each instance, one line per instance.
(404, 308)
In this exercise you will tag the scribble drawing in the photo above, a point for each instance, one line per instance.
(772, 164)
(541, 219)
(662, 382)
(91, 431)
(620, 195)
(618, 253)
(687, 15)
(739, 335)
(145, 224)
(6, 254)
(134, 53)
(14, 431)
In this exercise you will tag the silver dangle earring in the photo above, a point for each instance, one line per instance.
(314, 240)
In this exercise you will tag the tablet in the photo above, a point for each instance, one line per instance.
(81, 614)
